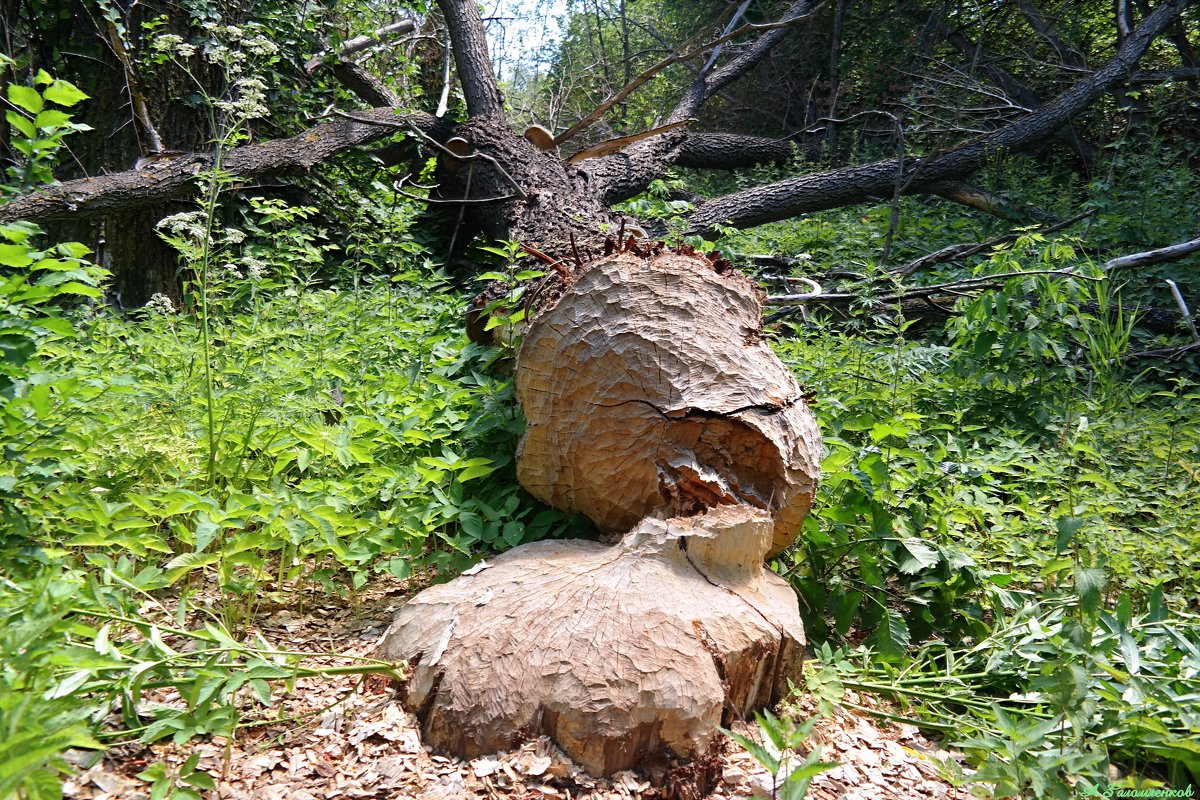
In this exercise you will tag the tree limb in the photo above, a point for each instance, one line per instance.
(706, 85)
(868, 182)
(469, 42)
(173, 178)
(368, 88)
(688, 53)
(1160, 255)
(955, 252)
(985, 201)
(358, 43)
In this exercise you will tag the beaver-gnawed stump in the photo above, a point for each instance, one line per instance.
(654, 408)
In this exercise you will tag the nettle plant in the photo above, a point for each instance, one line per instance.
(35, 280)
(38, 129)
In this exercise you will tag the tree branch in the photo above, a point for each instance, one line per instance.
(869, 182)
(368, 88)
(1161, 255)
(956, 252)
(358, 43)
(469, 41)
(706, 85)
(688, 53)
(174, 178)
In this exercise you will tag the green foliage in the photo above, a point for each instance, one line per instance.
(778, 746)
(994, 508)
(40, 711)
(37, 129)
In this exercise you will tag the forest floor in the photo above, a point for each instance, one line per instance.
(346, 736)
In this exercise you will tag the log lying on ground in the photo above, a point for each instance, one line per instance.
(654, 408)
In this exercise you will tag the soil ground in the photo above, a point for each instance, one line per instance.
(346, 736)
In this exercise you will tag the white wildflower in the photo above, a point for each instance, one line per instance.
(226, 272)
(189, 224)
(160, 304)
(167, 42)
(255, 268)
(261, 46)
(251, 99)
(234, 236)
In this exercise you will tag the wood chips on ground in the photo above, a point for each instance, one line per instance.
(352, 740)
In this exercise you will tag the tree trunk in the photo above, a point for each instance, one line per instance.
(654, 408)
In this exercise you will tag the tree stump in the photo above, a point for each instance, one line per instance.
(654, 408)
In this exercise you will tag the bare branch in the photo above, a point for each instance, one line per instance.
(621, 142)
(359, 43)
(985, 201)
(955, 252)
(870, 182)
(688, 53)
(968, 284)
(368, 88)
(707, 85)
(1161, 255)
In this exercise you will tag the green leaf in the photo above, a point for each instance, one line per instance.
(22, 123)
(52, 118)
(921, 556)
(64, 93)
(155, 772)
(25, 97)
(186, 562)
(1067, 528)
(476, 471)
(1090, 583)
(891, 638)
(15, 255)
(761, 754)
(201, 780)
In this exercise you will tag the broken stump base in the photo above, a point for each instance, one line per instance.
(620, 654)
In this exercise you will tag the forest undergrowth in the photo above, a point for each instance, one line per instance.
(1006, 540)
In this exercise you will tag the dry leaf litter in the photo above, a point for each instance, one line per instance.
(347, 737)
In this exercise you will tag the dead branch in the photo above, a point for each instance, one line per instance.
(955, 252)
(835, 188)
(966, 285)
(368, 88)
(621, 142)
(1161, 255)
(985, 201)
(359, 43)
(1169, 353)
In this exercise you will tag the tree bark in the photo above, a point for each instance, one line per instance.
(173, 178)
(467, 38)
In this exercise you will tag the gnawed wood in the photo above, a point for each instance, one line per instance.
(653, 407)
(617, 653)
(647, 391)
